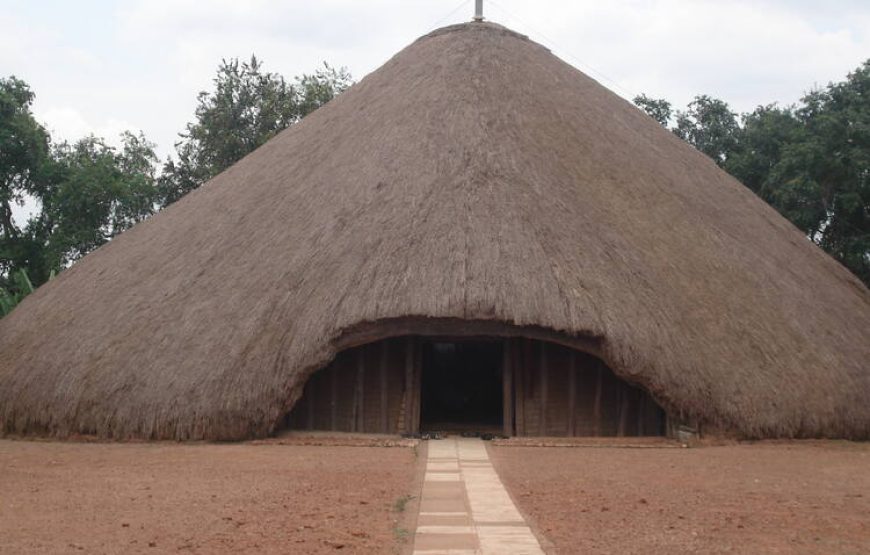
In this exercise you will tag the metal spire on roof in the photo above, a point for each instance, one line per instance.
(478, 10)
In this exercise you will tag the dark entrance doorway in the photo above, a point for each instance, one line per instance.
(462, 386)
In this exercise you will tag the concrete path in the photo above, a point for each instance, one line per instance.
(464, 508)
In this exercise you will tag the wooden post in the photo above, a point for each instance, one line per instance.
(507, 390)
(543, 371)
(572, 394)
(309, 393)
(409, 385)
(385, 425)
(596, 408)
(519, 348)
(623, 411)
(359, 401)
(640, 406)
(418, 386)
(333, 393)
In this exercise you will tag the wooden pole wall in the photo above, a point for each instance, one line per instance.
(572, 394)
(418, 378)
(507, 390)
(543, 371)
(520, 372)
(409, 386)
(359, 405)
(309, 391)
(596, 407)
(385, 424)
(333, 393)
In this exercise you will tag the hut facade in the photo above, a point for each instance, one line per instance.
(476, 235)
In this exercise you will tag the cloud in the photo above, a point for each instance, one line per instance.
(67, 124)
(97, 66)
(744, 52)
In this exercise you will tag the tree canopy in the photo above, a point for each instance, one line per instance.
(88, 191)
(247, 107)
(810, 161)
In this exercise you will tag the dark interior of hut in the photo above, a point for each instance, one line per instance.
(493, 385)
(462, 387)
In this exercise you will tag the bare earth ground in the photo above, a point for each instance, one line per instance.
(768, 497)
(60, 497)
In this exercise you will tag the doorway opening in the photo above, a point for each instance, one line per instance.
(462, 386)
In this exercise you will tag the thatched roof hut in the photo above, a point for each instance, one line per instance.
(475, 181)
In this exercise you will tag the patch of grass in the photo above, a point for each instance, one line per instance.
(400, 503)
(402, 534)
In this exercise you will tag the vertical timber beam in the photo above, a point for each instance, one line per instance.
(572, 394)
(596, 407)
(309, 396)
(385, 425)
(333, 393)
(418, 384)
(507, 389)
(545, 378)
(520, 373)
(640, 406)
(359, 400)
(623, 411)
(409, 385)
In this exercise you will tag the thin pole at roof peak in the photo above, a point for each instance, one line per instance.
(478, 10)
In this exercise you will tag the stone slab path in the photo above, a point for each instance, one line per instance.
(465, 509)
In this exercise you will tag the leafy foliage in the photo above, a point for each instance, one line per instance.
(98, 191)
(657, 108)
(811, 161)
(247, 107)
(87, 193)
(19, 288)
(710, 126)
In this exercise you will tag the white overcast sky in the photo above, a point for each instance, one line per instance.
(104, 66)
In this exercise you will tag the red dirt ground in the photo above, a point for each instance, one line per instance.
(768, 497)
(202, 498)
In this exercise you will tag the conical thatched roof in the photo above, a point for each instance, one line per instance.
(477, 177)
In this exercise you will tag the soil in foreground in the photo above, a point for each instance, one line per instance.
(204, 498)
(769, 497)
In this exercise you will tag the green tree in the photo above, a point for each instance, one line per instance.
(97, 192)
(24, 146)
(247, 107)
(811, 162)
(710, 126)
(24, 155)
(765, 133)
(822, 180)
(657, 108)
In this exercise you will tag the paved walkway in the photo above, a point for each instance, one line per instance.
(464, 509)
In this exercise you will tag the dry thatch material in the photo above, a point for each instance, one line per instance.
(477, 177)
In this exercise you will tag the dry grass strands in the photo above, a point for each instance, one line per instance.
(476, 177)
